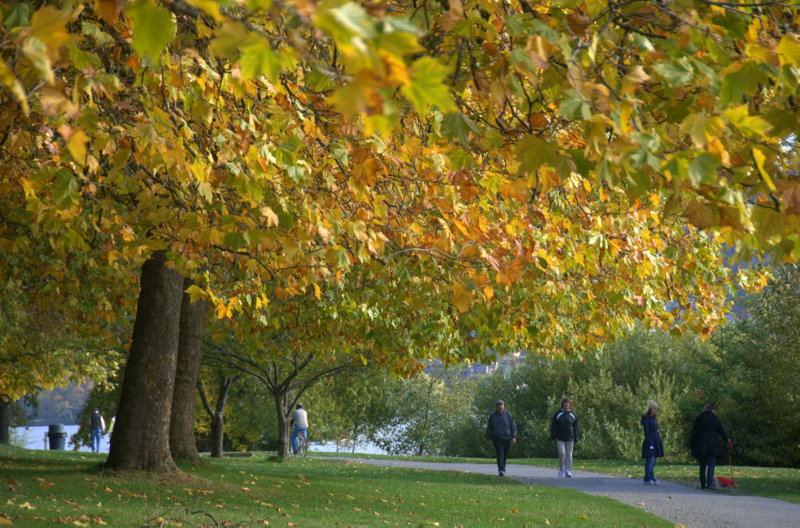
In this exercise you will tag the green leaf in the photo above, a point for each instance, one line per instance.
(643, 43)
(259, 59)
(65, 189)
(460, 159)
(703, 169)
(676, 72)
(544, 31)
(573, 106)
(153, 29)
(428, 86)
(456, 125)
(18, 15)
(702, 128)
(568, 3)
(519, 25)
(228, 40)
(235, 240)
(749, 125)
(533, 152)
(349, 24)
(739, 83)
(767, 222)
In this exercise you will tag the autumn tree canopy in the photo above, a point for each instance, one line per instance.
(574, 165)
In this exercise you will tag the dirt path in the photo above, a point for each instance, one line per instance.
(690, 507)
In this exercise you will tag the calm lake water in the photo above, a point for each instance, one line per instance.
(36, 438)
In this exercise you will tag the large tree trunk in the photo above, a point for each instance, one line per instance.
(187, 373)
(5, 421)
(140, 439)
(284, 432)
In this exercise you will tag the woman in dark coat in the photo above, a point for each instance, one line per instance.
(705, 443)
(651, 446)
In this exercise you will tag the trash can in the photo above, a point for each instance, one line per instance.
(57, 436)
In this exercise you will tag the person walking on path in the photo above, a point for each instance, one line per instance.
(300, 421)
(96, 427)
(651, 446)
(502, 432)
(564, 430)
(705, 444)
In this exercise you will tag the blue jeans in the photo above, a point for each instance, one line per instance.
(707, 465)
(295, 432)
(501, 448)
(649, 468)
(94, 439)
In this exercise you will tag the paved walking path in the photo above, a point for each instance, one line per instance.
(690, 507)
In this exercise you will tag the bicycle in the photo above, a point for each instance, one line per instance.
(302, 444)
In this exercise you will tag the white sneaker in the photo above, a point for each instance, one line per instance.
(560, 473)
(569, 475)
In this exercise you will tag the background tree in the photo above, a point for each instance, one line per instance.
(423, 410)
(217, 412)
(754, 380)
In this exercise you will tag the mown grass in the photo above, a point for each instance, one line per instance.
(47, 488)
(777, 483)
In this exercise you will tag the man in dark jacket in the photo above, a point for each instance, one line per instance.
(502, 432)
(705, 443)
(564, 430)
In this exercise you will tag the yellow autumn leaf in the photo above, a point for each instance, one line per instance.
(462, 298)
(488, 291)
(789, 49)
(77, 145)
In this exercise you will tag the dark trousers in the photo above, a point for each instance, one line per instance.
(707, 465)
(501, 448)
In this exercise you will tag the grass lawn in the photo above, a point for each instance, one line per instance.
(48, 488)
(778, 483)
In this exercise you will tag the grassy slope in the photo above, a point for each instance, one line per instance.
(46, 488)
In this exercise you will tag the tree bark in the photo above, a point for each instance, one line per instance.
(140, 440)
(5, 421)
(217, 414)
(284, 434)
(190, 356)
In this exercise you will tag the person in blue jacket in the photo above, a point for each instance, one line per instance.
(502, 432)
(651, 446)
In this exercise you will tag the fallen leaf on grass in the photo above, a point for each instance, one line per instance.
(3, 520)
(27, 506)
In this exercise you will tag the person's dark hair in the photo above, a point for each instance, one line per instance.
(711, 407)
(565, 400)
